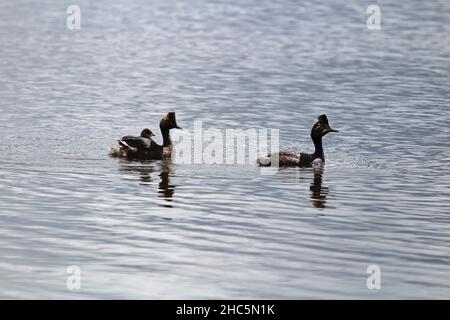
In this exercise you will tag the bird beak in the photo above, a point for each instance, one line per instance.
(152, 135)
(332, 130)
(177, 127)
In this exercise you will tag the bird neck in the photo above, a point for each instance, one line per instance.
(166, 137)
(318, 152)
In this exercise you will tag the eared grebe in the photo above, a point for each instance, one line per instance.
(142, 142)
(288, 159)
(167, 123)
(132, 146)
(143, 147)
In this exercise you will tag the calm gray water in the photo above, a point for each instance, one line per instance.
(161, 230)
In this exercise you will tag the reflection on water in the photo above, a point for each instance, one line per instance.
(148, 170)
(318, 192)
(166, 190)
(153, 170)
(142, 168)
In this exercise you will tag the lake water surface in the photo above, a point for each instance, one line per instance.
(160, 230)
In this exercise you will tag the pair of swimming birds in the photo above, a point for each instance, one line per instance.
(143, 147)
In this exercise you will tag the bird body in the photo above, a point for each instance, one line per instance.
(144, 147)
(290, 159)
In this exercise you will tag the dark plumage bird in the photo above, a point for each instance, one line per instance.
(288, 159)
(144, 147)
(167, 123)
(142, 142)
(133, 146)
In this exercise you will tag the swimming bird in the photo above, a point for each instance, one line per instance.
(167, 123)
(289, 159)
(144, 147)
(143, 141)
(132, 146)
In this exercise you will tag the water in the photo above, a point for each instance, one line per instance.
(162, 230)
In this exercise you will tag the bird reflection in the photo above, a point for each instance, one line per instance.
(148, 171)
(166, 190)
(318, 192)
